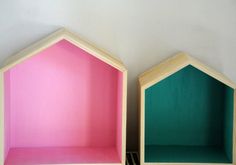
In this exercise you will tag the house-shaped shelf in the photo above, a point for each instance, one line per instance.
(186, 114)
(63, 101)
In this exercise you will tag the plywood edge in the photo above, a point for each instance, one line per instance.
(142, 124)
(124, 116)
(164, 69)
(175, 63)
(33, 49)
(55, 37)
(1, 120)
(139, 119)
(211, 72)
(234, 128)
(98, 53)
(187, 163)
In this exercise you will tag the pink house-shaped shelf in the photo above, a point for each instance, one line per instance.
(63, 101)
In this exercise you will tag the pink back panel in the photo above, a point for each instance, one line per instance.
(119, 116)
(6, 114)
(63, 97)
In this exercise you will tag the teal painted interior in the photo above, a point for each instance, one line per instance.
(181, 154)
(189, 113)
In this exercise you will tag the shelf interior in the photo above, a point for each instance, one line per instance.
(61, 155)
(189, 108)
(63, 97)
(191, 154)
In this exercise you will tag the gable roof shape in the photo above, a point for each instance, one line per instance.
(176, 63)
(53, 39)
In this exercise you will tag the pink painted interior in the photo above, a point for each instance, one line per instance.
(63, 97)
(61, 155)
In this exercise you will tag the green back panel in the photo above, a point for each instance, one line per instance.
(189, 108)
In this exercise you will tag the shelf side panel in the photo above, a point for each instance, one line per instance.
(7, 112)
(119, 114)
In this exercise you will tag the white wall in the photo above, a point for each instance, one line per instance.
(141, 32)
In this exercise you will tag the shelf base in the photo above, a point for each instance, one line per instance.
(62, 155)
(189, 154)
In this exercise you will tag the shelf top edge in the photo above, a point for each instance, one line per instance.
(55, 37)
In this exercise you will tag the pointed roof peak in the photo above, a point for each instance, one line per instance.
(176, 63)
(55, 37)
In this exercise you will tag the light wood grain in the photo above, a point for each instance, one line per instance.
(188, 163)
(142, 124)
(211, 72)
(32, 50)
(124, 116)
(54, 38)
(100, 54)
(139, 118)
(1, 120)
(234, 129)
(174, 64)
(163, 70)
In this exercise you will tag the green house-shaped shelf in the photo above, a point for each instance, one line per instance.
(186, 114)
(63, 101)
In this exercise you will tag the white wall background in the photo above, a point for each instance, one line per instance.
(141, 32)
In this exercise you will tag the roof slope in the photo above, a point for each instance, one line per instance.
(176, 63)
(54, 38)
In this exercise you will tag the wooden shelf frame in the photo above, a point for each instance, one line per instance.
(163, 70)
(43, 44)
